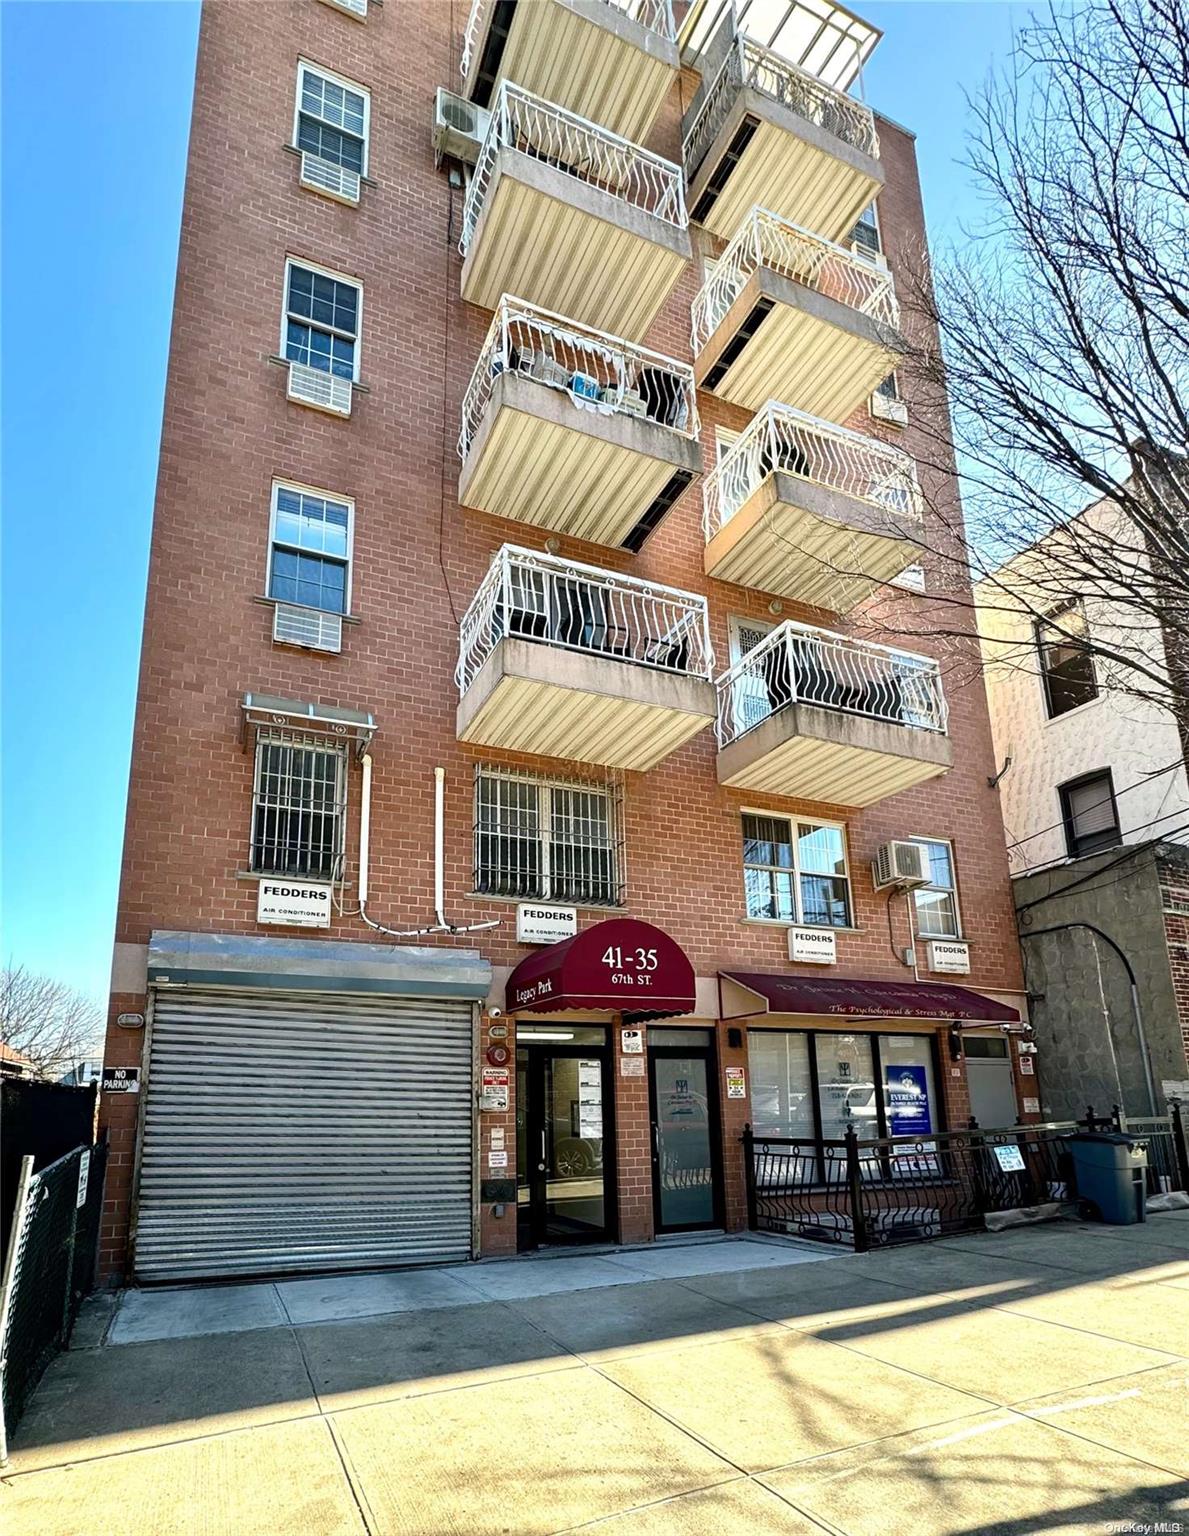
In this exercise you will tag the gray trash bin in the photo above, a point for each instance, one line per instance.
(1111, 1173)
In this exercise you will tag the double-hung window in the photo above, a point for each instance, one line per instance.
(545, 839)
(310, 550)
(331, 130)
(865, 234)
(322, 313)
(937, 902)
(298, 807)
(1066, 663)
(1090, 813)
(795, 871)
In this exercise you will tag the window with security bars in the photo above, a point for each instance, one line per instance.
(298, 808)
(795, 872)
(537, 838)
(310, 554)
(321, 320)
(332, 119)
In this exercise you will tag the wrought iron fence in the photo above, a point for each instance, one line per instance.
(766, 240)
(759, 69)
(49, 1268)
(781, 440)
(539, 597)
(599, 372)
(524, 122)
(655, 15)
(797, 663)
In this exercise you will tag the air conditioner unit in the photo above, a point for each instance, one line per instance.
(884, 408)
(459, 127)
(352, 7)
(324, 391)
(900, 866)
(877, 258)
(332, 180)
(307, 627)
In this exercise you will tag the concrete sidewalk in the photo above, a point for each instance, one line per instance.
(1036, 1380)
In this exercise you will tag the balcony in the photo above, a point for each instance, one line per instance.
(610, 61)
(767, 133)
(811, 511)
(564, 660)
(572, 218)
(790, 316)
(814, 715)
(568, 429)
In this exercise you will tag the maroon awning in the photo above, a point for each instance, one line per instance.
(868, 999)
(621, 964)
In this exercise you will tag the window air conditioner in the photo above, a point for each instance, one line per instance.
(324, 391)
(900, 866)
(337, 181)
(353, 7)
(872, 253)
(884, 408)
(459, 127)
(307, 627)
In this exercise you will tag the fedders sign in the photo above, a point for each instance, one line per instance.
(621, 964)
(294, 903)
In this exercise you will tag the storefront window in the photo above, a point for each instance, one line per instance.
(846, 1086)
(781, 1086)
(910, 1103)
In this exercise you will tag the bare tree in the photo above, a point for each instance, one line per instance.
(50, 1024)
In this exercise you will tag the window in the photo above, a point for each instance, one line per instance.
(911, 578)
(890, 388)
(536, 838)
(937, 902)
(331, 119)
(1090, 814)
(1066, 664)
(310, 550)
(298, 807)
(795, 872)
(321, 328)
(866, 232)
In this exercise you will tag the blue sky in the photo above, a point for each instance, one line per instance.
(96, 105)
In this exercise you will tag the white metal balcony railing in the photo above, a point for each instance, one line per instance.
(765, 240)
(530, 596)
(522, 121)
(779, 439)
(599, 372)
(655, 15)
(749, 64)
(797, 663)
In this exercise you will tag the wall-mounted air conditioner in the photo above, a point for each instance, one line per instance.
(307, 627)
(332, 180)
(459, 127)
(324, 391)
(884, 408)
(900, 866)
(352, 7)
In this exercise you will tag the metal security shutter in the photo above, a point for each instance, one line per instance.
(302, 1131)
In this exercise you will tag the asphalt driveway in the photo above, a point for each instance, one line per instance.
(1031, 1381)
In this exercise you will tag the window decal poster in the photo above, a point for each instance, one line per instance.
(908, 1101)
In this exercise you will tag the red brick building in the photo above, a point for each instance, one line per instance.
(625, 641)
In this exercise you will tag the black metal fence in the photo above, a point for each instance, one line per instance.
(49, 1268)
(42, 1120)
(904, 1189)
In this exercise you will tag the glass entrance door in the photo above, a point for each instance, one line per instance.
(685, 1137)
(562, 1139)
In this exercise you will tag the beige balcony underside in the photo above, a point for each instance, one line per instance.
(551, 702)
(810, 351)
(791, 167)
(806, 542)
(576, 249)
(591, 59)
(805, 752)
(538, 458)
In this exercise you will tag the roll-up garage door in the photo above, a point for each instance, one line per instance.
(287, 1132)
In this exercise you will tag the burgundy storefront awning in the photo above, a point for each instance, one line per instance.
(868, 999)
(621, 964)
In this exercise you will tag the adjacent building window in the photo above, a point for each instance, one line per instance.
(310, 550)
(795, 871)
(866, 232)
(322, 314)
(331, 118)
(1090, 814)
(298, 807)
(540, 838)
(1066, 665)
(937, 902)
(889, 389)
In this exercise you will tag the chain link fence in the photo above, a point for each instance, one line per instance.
(49, 1268)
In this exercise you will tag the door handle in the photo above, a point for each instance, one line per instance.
(656, 1143)
(541, 1165)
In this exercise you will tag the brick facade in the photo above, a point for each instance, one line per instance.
(418, 557)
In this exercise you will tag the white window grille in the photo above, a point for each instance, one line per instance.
(330, 128)
(537, 128)
(656, 15)
(298, 806)
(320, 336)
(796, 871)
(599, 372)
(937, 903)
(766, 240)
(538, 838)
